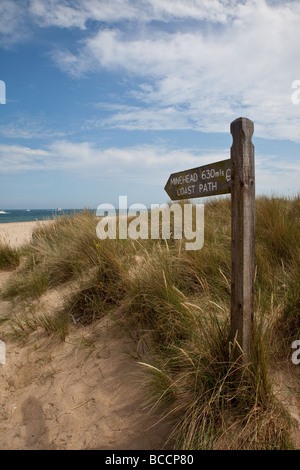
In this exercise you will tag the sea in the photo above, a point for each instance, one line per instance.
(31, 215)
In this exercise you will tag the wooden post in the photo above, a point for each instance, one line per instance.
(242, 234)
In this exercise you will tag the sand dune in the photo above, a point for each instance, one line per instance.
(55, 395)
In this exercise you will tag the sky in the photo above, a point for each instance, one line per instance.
(106, 98)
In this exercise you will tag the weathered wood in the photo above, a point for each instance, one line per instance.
(242, 233)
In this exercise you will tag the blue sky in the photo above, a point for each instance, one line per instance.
(107, 98)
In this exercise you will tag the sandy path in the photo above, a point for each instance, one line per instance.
(63, 395)
(53, 395)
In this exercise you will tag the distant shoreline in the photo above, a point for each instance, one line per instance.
(33, 215)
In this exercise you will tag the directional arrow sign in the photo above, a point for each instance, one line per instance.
(207, 180)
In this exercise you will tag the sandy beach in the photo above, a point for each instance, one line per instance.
(18, 233)
(58, 395)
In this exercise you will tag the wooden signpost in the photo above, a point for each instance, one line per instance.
(208, 180)
(236, 176)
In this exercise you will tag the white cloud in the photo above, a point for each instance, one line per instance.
(24, 126)
(12, 23)
(15, 158)
(206, 77)
(85, 158)
(147, 164)
(135, 160)
(202, 64)
(277, 176)
(142, 118)
(77, 13)
(56, 13)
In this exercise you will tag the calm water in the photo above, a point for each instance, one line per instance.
(32, 215)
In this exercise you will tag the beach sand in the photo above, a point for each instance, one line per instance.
(18, 233)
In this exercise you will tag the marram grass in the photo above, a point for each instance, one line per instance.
(177, 303)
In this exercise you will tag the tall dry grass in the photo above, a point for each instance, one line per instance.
(9, 257)
(177, 303)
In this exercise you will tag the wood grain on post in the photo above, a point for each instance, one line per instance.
(242, 234)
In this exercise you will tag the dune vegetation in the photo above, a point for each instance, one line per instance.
(177, 304)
